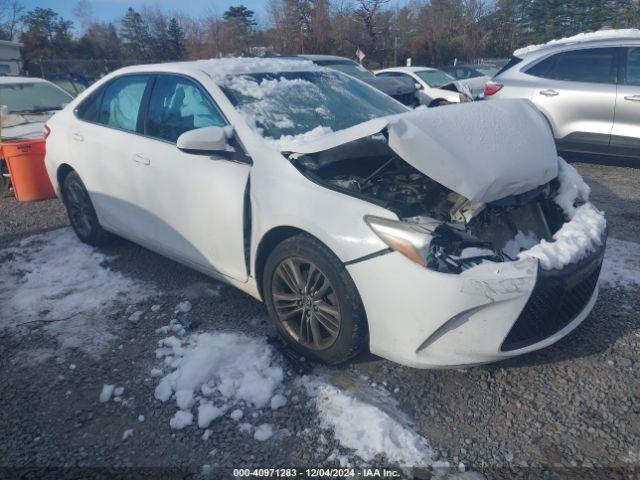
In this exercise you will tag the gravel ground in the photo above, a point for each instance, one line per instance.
(574, 405)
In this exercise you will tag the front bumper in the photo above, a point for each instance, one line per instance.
(426, 319)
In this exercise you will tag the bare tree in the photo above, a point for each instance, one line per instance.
(10, 13)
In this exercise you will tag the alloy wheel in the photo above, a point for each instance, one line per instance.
(305, 303)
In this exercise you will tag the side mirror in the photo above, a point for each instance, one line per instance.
(205, 140)
(419, 86)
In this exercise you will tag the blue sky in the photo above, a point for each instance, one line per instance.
(114, 9)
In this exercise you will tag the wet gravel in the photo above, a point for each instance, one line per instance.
(574, 405)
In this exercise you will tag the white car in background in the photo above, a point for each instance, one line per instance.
(435, 87)
(25, 105)
(360, 223)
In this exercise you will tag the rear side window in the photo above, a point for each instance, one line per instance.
(121, 102)
(593, 65)
(90, 107)
(511, 63)
(178, 105)
(633, 66)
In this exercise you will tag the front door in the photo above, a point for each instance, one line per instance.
(197, 201)
(576, 91)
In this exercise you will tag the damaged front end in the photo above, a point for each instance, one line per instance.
(489, 211)
(438, 228)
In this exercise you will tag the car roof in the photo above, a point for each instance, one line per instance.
(221, 67)
(13, 80)
(314, 58)
(599, 38)
(407, 69)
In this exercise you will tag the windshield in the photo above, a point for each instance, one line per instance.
(348, 67)
(32, 97)
(296, 103)
(435, 78)
(488, 71)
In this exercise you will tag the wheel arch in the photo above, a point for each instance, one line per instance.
(270, 240)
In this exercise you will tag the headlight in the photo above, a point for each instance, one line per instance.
(410, 239)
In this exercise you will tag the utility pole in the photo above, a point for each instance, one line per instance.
(395, 51)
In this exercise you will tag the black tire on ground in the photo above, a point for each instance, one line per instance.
(5, 181)
(315, 264)
(82, 215)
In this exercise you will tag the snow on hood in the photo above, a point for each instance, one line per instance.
(484, 151)
(581, 37)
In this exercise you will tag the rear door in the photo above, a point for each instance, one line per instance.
(576, 90)
(625, 137)
(197, 201)
(105, 142)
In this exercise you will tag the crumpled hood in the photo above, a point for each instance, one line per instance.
(484, 151)
(24, 125)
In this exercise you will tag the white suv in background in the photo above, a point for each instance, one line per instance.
(587, 86)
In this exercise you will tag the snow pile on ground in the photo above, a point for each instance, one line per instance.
(578, 237)
(581, 37)
(53, 276)
(366, 428)
(621, 265)
(217, 371)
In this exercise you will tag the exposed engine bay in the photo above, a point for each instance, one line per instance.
(463, 233)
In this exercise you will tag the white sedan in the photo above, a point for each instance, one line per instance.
(435, 87)
(360, 224)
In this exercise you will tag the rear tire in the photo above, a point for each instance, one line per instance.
(313, 301)
(82, 215)
(5, 181)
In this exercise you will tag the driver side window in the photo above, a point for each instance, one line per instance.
(178, 105)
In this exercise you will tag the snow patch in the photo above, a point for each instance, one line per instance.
(367, 429)
(581, 37)
(53, 276)
(181, 419)
(105, 394)
(222, 368)
(621, 265)
(263, 432)
(278, 401)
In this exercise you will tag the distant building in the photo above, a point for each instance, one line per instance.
(10, 60)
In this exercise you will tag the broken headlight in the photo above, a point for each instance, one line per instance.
(439, 246)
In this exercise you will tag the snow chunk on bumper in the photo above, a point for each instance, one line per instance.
(484, 151)
(581, 235)
(577, 238)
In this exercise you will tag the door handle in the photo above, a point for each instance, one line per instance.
(633, 98)
(78, 137)
(140, 158)
(549, 93)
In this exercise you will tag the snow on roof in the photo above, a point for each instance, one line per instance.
(221, 67)
(600, 35)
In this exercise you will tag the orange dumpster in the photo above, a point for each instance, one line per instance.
(25, 160)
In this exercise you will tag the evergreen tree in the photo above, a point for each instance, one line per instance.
(45, 35)
(177, 37)
(240, 23)
(137, 42)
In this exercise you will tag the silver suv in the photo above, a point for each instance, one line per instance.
(587, 87)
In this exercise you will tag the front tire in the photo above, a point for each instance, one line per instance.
(82, 215)
(313, 301)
